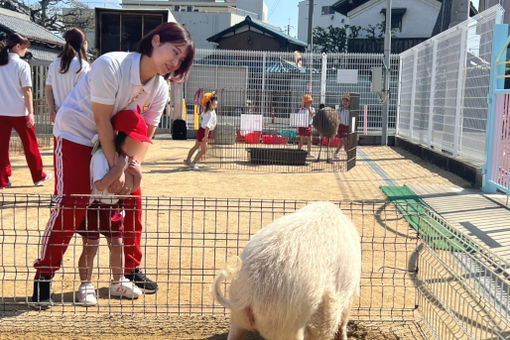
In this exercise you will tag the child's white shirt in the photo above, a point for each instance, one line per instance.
(304, 111)
(14, 77)
(99, 167)
(343, 116)
(208, 120)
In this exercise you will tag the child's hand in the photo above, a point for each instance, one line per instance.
(134, 168)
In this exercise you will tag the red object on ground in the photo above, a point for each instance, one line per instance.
(252, 137)
(275, 139)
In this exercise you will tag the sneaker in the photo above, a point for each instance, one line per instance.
(41, 298)
(44, 180)
(138, 278)
(310, 155)
(188, 163)
(86, 295)
(125, 289)
(335, 156)
(194, 166)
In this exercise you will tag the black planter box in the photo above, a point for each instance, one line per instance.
(278, 156)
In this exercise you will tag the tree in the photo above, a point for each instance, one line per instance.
(334, 39)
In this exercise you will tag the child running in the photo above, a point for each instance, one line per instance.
(105, 215)
(207, 124)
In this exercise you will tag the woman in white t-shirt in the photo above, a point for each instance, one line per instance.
(17, 109)
(117, 81)
(207, 124)
(65, 72)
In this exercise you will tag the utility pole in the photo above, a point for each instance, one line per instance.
(310, 39)
(310, 24)
(387, 74)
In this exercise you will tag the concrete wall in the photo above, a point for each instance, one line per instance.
(203, 25)
(255, 6)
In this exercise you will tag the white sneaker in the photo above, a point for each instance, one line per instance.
(310, 155)
(335, 156)
(86, 295)
(44, 180)
(125, 288)
(194, 166)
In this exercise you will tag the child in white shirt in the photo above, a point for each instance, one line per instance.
(207, 124)
(306, 132)
(104, 214)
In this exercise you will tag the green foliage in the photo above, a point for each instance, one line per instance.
(334, 39)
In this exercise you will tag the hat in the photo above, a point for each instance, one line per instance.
(307, 98)
(132, 124)
(347, 96)
(207, 97)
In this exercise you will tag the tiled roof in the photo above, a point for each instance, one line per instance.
(29, 29)
(270, 29)
(42, 55)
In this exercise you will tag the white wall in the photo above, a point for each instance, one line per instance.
(324, 21)
(256, 6)
(418, 21)
(203, 25)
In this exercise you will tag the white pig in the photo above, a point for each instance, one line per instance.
(298, 277)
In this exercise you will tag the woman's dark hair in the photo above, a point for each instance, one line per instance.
(12, 41)
(208, 105)
(120, 137)
(75, 44)
(174, 33)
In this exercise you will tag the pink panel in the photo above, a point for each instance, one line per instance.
(501, 149)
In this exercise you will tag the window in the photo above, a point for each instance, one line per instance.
(177, 8)
(327, 10)
(397, 15)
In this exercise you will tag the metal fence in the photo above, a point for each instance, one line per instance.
(274, 83)
(248, 140)
(444, 84)
(435, 283)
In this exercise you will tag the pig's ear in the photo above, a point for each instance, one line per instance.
(250, 316)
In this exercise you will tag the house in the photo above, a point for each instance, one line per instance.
(412, 21)
(202, 17)
(45, 45)
(253, 34)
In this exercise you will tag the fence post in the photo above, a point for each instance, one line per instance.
(413, 94)
(324, 78)
(263, 94)
(457, 129)
(432, 91)
(498, 46)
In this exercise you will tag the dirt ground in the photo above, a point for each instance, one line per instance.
(173, 260)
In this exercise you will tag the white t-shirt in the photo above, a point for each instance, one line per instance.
(114, 79)
(98, 169)
(15, 75)
(343, 116)
(304, 111)
(208, 120)
(63, 83)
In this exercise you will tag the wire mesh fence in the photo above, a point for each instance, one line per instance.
(435, 277)
(444, 84)
(247, 140)
(274, 82)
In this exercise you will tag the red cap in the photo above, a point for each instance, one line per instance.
(132, 124)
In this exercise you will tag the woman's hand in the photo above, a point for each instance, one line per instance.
(53, 115)
(30, 121)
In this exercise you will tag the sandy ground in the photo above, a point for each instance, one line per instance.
(187, 241)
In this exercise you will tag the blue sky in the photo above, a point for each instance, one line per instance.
(281, 12)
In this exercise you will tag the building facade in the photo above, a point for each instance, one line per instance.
(205, 17)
